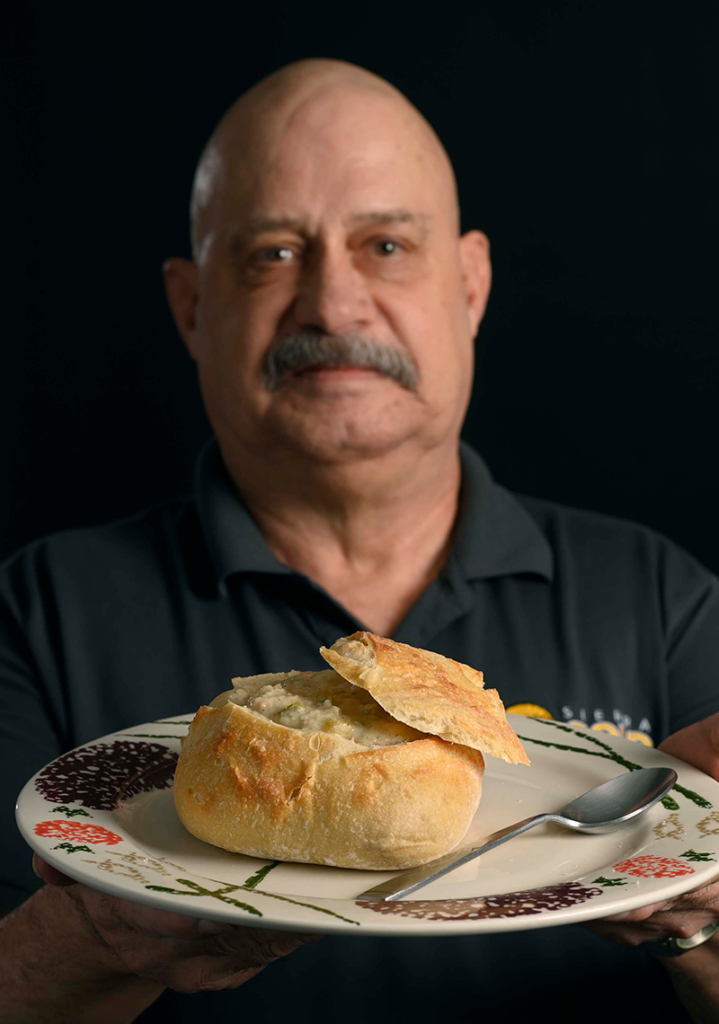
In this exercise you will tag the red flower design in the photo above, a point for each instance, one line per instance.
(650, 866)
(76, 830)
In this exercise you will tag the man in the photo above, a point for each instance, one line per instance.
(331, 308)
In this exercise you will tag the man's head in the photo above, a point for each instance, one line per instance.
(331, 305)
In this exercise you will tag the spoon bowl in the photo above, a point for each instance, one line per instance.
(609, 806)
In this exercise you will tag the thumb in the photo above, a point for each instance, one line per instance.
(697, 744)
(49, 874)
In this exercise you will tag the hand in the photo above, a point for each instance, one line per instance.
(698, 745)
(685, 915)
(680, 918)
(183, 953)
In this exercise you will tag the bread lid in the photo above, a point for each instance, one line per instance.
(427, 691)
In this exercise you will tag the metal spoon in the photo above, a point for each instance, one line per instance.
(600, 810)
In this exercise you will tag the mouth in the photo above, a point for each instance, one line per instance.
(334, 372)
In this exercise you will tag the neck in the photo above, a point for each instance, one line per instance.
(372, 532)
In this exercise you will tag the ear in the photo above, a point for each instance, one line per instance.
(476, 274)
(181, 289)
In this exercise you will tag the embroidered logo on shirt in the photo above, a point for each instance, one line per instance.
(618, 724)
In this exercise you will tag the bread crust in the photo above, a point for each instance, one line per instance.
(428, 692)
(252, 786)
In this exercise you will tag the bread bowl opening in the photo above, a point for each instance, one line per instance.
(321, 702)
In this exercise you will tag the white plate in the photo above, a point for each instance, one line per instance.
(104, 814)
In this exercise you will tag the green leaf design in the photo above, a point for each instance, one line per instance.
(611, 754)
(564, 746)
(255, 879)
(69, 848)
(693, 855)
(218, 894)
(606, 882)
(309, 906)
(691, 795)
(71, 811)
(668, 802)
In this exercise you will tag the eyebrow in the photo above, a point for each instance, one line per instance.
(397, 216)
(260, 225)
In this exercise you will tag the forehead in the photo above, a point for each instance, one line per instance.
(338, 157)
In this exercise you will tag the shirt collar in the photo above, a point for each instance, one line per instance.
(495, 535)
(233, 538)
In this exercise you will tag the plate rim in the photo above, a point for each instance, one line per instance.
(393, 922)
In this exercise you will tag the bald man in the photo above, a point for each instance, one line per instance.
(331, 307)
(324, 203)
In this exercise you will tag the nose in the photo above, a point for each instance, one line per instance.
(332, 294)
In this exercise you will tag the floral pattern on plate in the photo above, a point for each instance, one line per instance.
(508, 904)
(650, 866)
(76, 831)
(102, 774)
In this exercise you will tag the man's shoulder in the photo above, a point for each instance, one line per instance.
(138, 538)
(588, 537)
(555, 516)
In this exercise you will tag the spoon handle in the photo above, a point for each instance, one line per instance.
(416, 878)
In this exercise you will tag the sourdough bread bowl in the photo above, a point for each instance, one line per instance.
(375, 763)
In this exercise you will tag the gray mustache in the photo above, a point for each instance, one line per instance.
(305, 350)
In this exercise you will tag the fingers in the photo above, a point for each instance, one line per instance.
(49, 874)
(113, 911)
(640, 914)
(257, 947)
(193, 961)
(678, 918)
(113, 915)
(235, 958)
(697, 744)
(121, 922)
(633, 930)
(185, 953)
(704, 899)
(625, 934)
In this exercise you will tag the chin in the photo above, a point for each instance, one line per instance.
(338, 439)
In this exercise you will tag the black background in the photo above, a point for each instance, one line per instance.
(584, 140)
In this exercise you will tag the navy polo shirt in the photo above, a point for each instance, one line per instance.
(595, 619)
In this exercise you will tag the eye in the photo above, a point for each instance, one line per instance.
(275, 254)
(386, 247)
